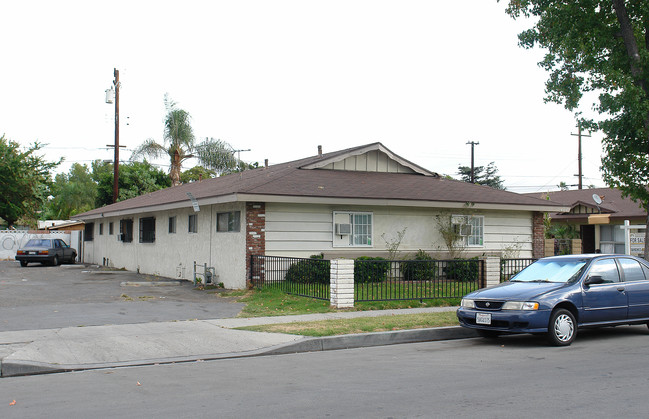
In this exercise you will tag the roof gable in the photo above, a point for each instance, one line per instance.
(582, 203)
(369, 158)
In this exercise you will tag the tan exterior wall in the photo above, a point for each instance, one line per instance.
(301, 230)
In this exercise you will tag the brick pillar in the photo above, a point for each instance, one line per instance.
(538, 235)
(255, 234)
(491, 270)
(342, 283)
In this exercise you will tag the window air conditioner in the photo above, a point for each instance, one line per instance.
(120, 237)
(343, 229)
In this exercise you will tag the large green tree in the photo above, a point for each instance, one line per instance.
(600, 47)
(180, 144)
(135, 179)
(24, 180)
(196, 173)
(71, 193)
(483, 175)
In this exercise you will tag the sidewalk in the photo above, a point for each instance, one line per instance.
(80, 348)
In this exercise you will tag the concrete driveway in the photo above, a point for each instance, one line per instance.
(46, 297)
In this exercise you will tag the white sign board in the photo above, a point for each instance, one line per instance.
(637, 243)
(633, 242)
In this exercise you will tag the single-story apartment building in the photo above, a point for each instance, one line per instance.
(598, 216)
(347, 203)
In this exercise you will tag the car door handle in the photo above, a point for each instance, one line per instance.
(621, 289)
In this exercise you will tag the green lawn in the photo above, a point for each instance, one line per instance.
(360, 325)
(272, 301)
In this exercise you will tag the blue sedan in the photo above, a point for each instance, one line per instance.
(558, 295)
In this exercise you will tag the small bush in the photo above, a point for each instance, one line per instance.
(368, 269)
(462, 270)
(422, 268)
(314, 270)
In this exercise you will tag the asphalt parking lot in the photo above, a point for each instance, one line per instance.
(46, 297)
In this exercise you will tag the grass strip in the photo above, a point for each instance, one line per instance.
(360, 324)
(275, 302)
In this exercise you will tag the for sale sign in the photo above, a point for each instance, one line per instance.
(637, 243)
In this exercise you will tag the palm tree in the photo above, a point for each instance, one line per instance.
(180, 144)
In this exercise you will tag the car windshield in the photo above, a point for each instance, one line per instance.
(38, 243)
(551, 271)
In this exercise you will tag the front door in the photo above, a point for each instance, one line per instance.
(588, 239)
(606, 301)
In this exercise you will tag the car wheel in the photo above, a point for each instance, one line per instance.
(56, 261)
(23, 263)
(73, 259)
(489, 334)
(562, 329)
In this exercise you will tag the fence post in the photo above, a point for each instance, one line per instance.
(491, 270)
(342, 283)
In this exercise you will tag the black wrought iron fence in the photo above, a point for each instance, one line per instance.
(416, 279)
(374, 280)
(297, 276)
(510, 267)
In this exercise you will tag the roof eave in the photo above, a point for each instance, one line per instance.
(243, 197)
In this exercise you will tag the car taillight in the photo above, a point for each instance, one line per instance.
(20, 252)
(43, 252)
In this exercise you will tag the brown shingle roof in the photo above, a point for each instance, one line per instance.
(612, 203)
(291, 180)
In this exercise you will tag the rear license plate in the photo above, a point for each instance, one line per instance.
(483, 318)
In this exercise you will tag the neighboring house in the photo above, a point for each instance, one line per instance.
(347, 203)
(597, 215)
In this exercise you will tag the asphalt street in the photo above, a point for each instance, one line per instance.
(602, 375)
(47, 297)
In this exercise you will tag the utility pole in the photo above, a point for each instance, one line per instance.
(579, 157)
(239, 154)
(473, 144)
(109, 93)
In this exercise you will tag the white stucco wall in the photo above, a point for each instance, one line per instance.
(302, 230)
(173, 254)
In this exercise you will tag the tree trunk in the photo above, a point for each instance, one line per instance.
(633, 52)
(174, 170)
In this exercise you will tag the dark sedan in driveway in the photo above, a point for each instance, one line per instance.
(52, 251)
(558, 295)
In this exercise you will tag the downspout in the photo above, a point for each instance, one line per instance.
(211, 232)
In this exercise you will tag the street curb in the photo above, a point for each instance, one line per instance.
(365, 340)
(15, 368)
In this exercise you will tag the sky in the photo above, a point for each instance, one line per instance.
(280, 77)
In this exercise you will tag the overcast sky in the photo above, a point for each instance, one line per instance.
(282, 77)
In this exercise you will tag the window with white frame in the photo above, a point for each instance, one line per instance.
(470, 229)
(353, 229)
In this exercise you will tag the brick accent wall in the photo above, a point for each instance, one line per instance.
(255, 232)
(538, 235)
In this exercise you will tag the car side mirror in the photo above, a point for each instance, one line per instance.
(594, 279)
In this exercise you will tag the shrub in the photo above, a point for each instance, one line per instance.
(422, 268)
(314, 270)
(369, 269)
(463, 270)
